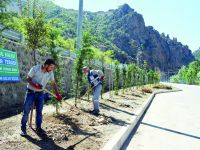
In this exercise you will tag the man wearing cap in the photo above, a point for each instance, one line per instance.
(37, 78)
(95, 78)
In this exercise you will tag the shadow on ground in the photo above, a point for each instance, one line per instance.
(45, 142)
(11, 111)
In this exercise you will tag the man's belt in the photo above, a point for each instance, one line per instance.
(31, 91)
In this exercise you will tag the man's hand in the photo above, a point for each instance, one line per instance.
(58, 96)
(102, 78)
(37, 86)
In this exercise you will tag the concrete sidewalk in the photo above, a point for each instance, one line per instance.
(171, 123)
(119, 139)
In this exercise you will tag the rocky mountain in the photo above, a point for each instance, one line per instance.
(126, 29)
(197, 54)
(123, 30)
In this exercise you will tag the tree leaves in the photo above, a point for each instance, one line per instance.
(189, 75)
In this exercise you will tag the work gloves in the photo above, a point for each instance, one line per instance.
(101, 78)
(58, 96)
(37, 86)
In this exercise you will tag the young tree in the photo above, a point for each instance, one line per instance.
(36, 33)
(182, 74)
(188, 74)
(52, 37)
(138, 76)
(104, 57)
(124, 75)
(84, 54)
(156, 77)
(117, 78)
(4, 18)
(150, 75)
(191, 75)
(198, 77)
(130, 76)
(134, 75)
(4, 15)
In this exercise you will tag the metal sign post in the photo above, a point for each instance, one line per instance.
(79, 25)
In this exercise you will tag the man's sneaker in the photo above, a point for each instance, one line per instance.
(95, 112)
(23, 133)
(40, 131)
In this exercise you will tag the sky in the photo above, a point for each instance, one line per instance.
(178, 18)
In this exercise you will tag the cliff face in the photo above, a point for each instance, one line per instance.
(127, 30)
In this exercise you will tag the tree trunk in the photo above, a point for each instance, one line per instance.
(57, 109)
(76, 94)
(34, 8)
(102, 64)
(34, 57)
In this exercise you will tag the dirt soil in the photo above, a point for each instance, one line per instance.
(74, 128)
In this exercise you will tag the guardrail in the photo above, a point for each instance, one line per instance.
(72, 55)
(17, 37)
(11, 34)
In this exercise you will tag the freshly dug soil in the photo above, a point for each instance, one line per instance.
(74, 128)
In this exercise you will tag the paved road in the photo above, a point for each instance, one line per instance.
(172, 122)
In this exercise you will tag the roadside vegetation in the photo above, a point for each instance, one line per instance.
(46, 36)
(188, 75)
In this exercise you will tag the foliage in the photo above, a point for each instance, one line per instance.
(5, 15)
(197, 54)
(107, 29)
(189, 75)
(3, 3)
(129, 75)
(150, 76)
(107, 56)
(41, 31)
(84, 55)
(104, 58)
(156, 78)
(36, 31)
(117, 78)
(144, 72)
(124, 77)
(52, 37)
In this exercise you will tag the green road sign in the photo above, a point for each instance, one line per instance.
(9, 71)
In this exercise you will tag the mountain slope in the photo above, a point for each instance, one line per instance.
(123, 30)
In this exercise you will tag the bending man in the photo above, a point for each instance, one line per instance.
(95, 78)
(38, 77)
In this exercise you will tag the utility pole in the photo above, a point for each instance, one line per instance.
(20, 8)
(28, 11)
(79, 25)
(34, 8)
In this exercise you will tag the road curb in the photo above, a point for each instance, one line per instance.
(116, 142)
